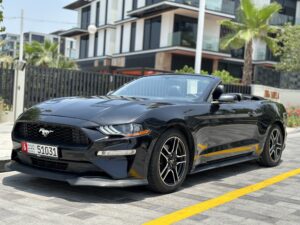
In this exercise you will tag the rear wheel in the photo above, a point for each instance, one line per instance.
(169, 162)
(272, 152)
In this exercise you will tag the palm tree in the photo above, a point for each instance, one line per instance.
(252, 24)
(41, 54)
(65, 63)
(47, 55)
(31, 52)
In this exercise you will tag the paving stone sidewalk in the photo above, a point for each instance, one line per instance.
(5, 140)
(28, 200)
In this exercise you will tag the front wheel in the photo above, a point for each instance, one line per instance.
(169, 162)
(272, 152)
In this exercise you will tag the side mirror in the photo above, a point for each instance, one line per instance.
(227, 98)
(218, 92)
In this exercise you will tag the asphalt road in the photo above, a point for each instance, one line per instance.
(28, 200)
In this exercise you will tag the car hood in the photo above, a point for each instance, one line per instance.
(103, 110)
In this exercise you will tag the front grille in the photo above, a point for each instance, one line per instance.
(61, 135)
(51, 165)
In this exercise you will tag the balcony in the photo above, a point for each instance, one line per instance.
(188, 40)
(74, 32)
(265, 54)
(221, 6)
(218, 6)
(281, 19)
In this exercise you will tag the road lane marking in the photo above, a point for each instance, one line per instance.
(220, 200)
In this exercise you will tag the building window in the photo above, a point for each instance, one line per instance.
(121, 39)
(152, 33)
(185, 31)
(84, 47)
(85, 17)
(26, 37)
(96, 45)
(106, 10)
(132, 36)
(123, 9)
(97, 14)
(134, 4)
(150, 2)
(38, 38)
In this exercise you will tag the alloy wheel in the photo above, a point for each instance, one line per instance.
(172, 161)
(275, 145)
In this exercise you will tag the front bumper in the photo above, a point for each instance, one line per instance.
(128, 158)
(73, 179)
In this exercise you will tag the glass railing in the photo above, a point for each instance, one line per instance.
(183, 39)
(260, 54)
(187, 2)
(188, 40)
(223, 6)
(265, 54)
(281, 19)
(270, 56)
(211, 44)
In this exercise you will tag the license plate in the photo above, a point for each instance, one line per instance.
(40, 150)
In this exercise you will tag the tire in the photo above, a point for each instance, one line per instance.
(271, 155)
(168, 170)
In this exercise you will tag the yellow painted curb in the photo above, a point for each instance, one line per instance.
(212, 203)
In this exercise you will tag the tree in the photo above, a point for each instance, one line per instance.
(1, 16)
(289, 49)
(252, 24)
(65, 63)
(46, 55)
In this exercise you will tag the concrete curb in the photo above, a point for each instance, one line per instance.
(294, 130)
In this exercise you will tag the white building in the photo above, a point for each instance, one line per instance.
(12, 42)
(161, 34)
(10, 46)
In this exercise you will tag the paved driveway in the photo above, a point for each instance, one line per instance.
(27, 200)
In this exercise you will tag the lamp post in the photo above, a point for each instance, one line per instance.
(200, 32)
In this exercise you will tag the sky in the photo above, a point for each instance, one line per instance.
(45, 10)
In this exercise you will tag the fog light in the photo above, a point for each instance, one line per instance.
(116, 152)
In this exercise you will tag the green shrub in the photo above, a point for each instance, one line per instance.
(189, 70)
(226, 77)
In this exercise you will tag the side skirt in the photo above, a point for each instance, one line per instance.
(224, 162)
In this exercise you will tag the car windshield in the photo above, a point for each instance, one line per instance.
(167, 87)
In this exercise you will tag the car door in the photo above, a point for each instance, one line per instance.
(231, 131)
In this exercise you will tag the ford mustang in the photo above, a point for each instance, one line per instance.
(152, 131)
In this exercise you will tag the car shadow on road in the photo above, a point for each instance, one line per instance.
(63, 191)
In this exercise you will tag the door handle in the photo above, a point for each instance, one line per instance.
(252, 114)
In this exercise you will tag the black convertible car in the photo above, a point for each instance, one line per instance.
(154, 130)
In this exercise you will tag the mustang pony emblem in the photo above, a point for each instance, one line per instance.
(45, 132)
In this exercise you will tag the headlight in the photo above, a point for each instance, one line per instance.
(127, 130)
